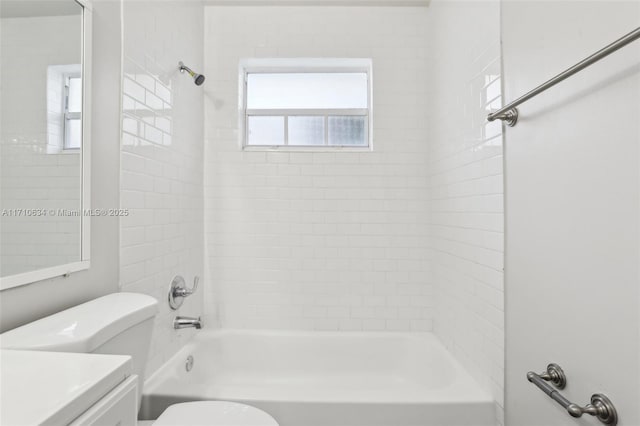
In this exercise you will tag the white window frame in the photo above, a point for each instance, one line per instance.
(67, 116)
(297, 66)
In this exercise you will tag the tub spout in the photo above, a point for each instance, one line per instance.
(186, 322)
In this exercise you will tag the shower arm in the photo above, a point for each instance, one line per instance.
(184, 68)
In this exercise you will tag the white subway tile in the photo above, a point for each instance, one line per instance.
(466, 213)
(162, 175)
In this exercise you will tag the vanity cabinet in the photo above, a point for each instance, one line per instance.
(118, 408)
(64, 388)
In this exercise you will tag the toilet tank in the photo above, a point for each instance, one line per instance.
(118, 324)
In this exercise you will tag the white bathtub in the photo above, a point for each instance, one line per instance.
(325, 379)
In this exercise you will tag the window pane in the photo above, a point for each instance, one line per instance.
(348, 130)
(307, 90)
(75, 94)
(265, 131)
(306, 130)
(73, 136)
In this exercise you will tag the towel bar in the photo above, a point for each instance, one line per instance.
(600, 406)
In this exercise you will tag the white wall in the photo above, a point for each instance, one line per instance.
(573, 209)
(325, 240)
(162, 162)
(465, 185)
(27, 303)
(31, 176)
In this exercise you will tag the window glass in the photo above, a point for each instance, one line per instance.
(305, 130)
(265, 130)
(347, 131)
(75, 94)
(306, 90)
(73, 135)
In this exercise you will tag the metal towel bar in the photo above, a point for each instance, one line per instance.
(509, 113)
(600, 405)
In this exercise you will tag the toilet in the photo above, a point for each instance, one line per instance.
(121, 324)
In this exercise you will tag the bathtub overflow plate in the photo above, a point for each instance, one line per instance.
(189, 364)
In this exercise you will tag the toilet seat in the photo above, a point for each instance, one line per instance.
(214, 413)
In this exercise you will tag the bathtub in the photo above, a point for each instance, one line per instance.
(324, 379)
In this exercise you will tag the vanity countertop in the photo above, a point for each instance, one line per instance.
(55, 387)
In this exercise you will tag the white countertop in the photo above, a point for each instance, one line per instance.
(55, 387)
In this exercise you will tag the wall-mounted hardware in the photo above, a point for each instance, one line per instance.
(198, 79)
(509, 113)
(187, 322)
(600, 406)
(555, 375)
(178, 291)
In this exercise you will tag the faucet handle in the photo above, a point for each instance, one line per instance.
(178, 291)
(193, 289)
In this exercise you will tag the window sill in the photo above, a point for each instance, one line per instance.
(70, 151)
(56, 150)
(289, 148)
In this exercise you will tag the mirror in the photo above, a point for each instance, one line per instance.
(43, 140)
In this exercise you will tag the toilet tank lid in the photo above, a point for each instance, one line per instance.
(85, 327)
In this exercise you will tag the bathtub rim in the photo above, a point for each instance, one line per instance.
(478, 394)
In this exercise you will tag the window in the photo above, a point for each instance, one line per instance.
(64, 109)
(316, 103)
(73, 112)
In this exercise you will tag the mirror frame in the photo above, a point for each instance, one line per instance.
(65, 270)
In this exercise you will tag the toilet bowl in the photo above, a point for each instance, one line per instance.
(121, 324)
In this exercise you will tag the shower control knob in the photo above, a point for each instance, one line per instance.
(178, 291)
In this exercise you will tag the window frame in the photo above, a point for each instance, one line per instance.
(68, 116)
(300, 66)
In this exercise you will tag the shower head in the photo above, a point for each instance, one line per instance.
(197, 78)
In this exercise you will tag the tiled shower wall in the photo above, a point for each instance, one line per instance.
(320, 240)
(161, 161)
(466, 187)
